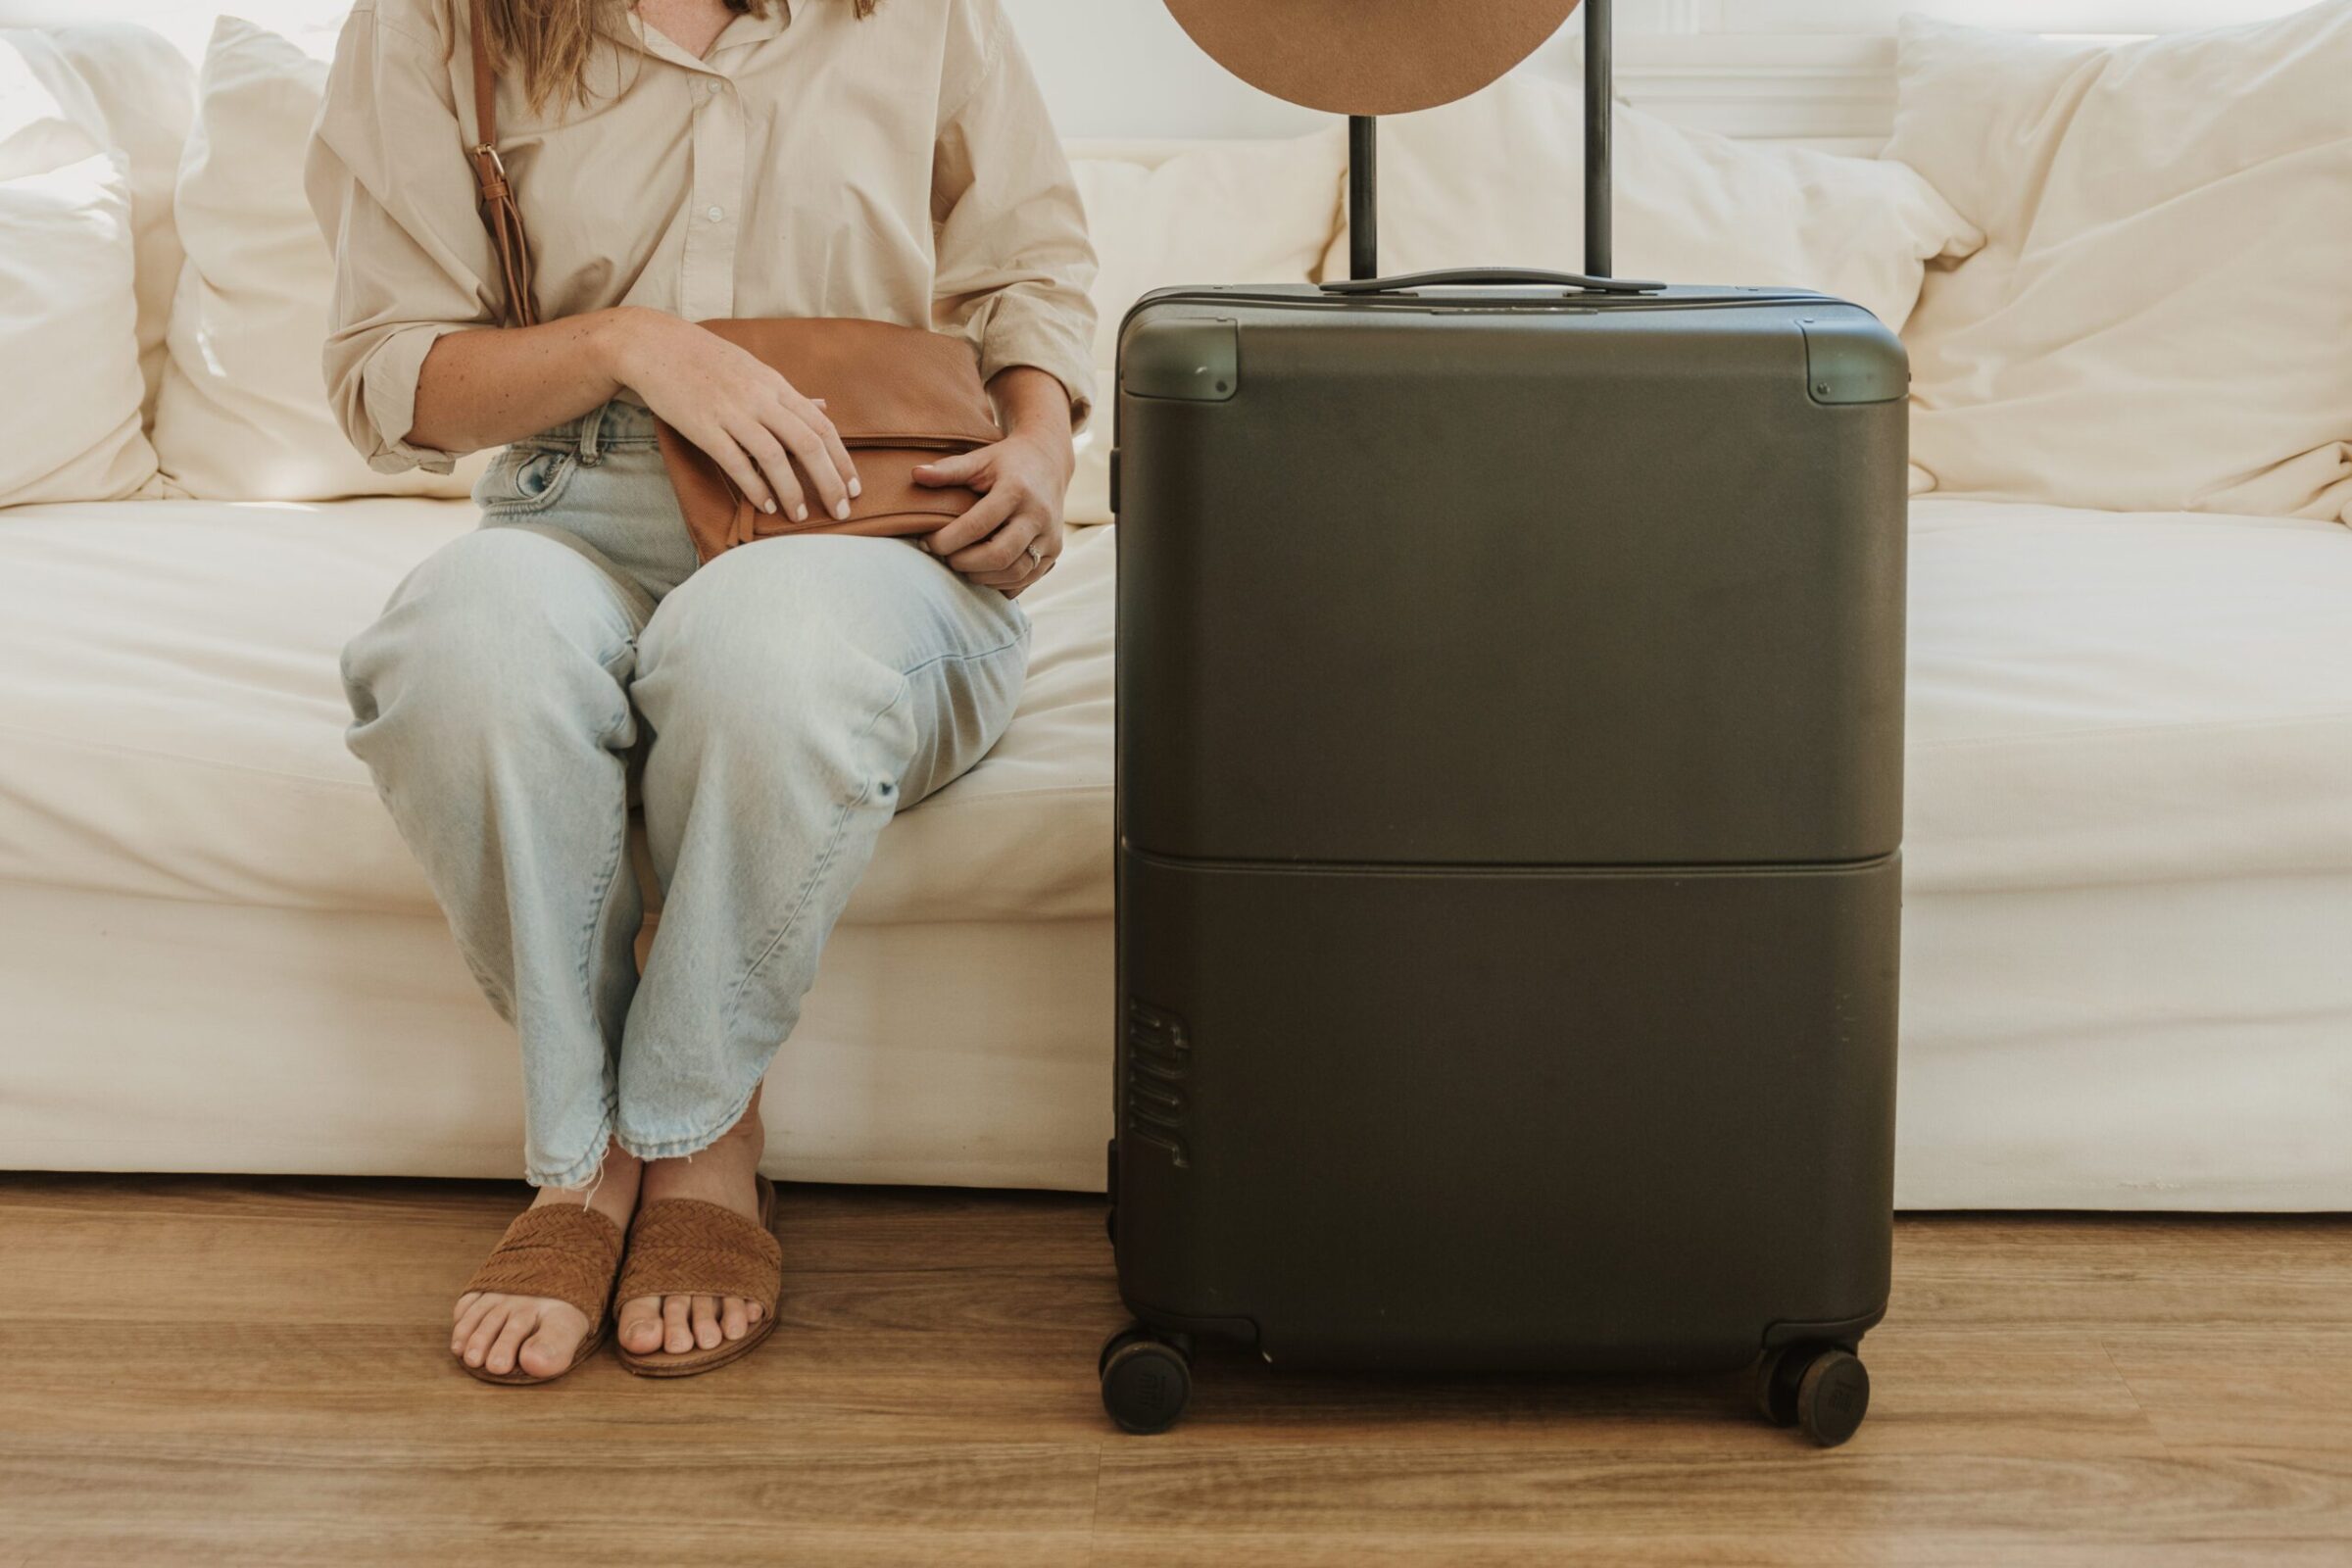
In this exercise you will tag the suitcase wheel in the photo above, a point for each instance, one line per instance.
(1820, 1390)
(1146, 1378)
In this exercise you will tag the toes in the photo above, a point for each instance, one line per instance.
(457, 1313)
(704, 1318)
(485, 1331)
(641, 1324)
(549, 1352)
(731, 1321)
(477, 1307)
(676, 1333)
(510, 1335)
(752, 1311)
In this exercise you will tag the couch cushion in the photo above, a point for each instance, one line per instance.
(2159, 317)
(1245, 211)
(2108, 699)
(1498, 179)
(71, 393)
(69, 362)
(134, 93)
(2095, 697)
(171, 720)
(243, 413)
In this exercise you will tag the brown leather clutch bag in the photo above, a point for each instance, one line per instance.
(898, 396)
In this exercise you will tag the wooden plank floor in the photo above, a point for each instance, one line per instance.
(213, 1371)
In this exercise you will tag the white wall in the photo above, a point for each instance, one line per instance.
(1809, 69)
(1819, 71)
(1123, 68)
(1878, 16)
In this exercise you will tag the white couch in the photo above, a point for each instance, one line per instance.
(2128, 917)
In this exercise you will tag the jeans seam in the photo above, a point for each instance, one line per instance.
(599, 906)
(501, 998)
(603, 443)
(841, 815)
(816, 874)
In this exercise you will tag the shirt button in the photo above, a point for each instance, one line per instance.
(715, 213)
(711, 86)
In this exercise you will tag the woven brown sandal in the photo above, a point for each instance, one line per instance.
(566, 1252)
(685, 1246)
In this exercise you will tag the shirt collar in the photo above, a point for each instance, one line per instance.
(743, 29)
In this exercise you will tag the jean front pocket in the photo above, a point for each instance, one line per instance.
(524, 480)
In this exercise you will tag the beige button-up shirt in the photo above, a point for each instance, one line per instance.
(900, 167)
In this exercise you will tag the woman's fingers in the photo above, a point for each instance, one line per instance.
(1018, 580)
(836, 449)
(962, 468)
(1005, 550)
(989, 514)
(737, 465)
(775, 469)
(797, 434)
(1024, 567)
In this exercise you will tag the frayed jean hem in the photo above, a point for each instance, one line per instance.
(584, 1170)
(694, 1144)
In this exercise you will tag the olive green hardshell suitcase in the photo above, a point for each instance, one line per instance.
(1510, 695)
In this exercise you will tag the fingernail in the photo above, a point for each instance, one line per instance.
(842, 511)
(800, 513)
(855, 489)
(768, 507)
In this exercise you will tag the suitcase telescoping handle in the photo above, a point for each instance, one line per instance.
(1363, 145)
(1491, 277)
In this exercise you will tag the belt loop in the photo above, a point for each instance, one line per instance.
(590, 425)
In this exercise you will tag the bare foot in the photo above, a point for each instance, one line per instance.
(727, 1173)
(539, 1334)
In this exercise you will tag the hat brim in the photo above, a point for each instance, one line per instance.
(1370, 56)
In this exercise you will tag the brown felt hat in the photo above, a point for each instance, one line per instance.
(1370, 56)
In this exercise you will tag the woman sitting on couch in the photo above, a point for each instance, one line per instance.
(678, 161)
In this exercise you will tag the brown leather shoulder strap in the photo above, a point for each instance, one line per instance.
(485, 80)
(500, 214)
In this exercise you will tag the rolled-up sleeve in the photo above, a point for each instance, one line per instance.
(387, 176)
(1014, 263)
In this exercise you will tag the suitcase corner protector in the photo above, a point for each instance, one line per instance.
(1186, 358)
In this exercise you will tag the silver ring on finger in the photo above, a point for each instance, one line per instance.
(1036, 556)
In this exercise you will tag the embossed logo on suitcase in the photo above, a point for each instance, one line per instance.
(1159, 1057)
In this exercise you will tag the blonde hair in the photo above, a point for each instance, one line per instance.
(551, 42)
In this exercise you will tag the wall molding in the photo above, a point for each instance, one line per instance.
(1818, 71)
(1686, 16)
(1829, 89)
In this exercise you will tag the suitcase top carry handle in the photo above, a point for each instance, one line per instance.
(1363, 181)
(1491, 276)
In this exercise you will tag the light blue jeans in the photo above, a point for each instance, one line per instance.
(776, 707)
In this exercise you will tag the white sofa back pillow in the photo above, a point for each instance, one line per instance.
(135, 94)
(69, 387)
(70, 394)
(2161, 318)
(1248, 212)
(243, 414)
(1498, 179)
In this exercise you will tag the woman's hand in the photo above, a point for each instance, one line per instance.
(745, 414)
(1013, 535)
